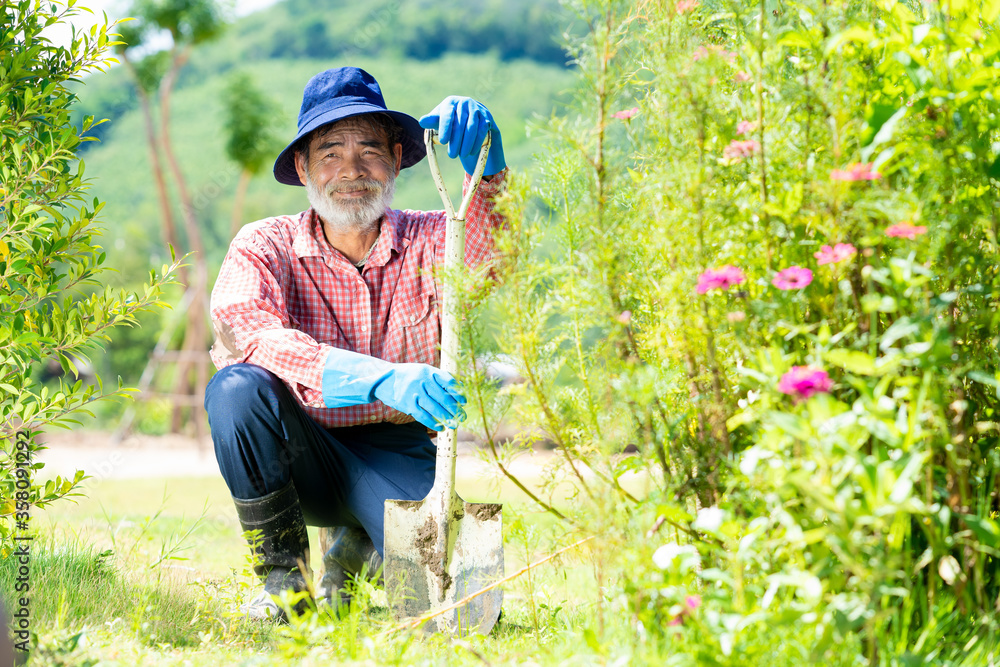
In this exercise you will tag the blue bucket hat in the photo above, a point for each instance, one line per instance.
(343, 92)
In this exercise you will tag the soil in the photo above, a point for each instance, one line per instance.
(485, 511)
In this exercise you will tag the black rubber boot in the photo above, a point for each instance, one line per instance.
(284, 545)
(351, 552)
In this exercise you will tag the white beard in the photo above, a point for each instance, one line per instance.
(351, 216)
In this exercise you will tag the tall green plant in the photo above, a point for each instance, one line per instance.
(769, 261)
(189, 22)
(252, 140)
(52, 305)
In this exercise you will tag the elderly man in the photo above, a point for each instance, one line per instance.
(327, 330)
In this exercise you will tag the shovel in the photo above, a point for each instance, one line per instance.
(441, 549)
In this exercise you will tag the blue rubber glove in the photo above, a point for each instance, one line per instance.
(426, 393)
(462, 124)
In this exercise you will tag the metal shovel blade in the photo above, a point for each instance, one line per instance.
(441, 549)
(422, 577)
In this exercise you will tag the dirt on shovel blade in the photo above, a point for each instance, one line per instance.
(420, 578)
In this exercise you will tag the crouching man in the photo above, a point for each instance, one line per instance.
(327, 330)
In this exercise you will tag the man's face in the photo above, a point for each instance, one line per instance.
(350, 174)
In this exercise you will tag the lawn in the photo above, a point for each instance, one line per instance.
(151, 572)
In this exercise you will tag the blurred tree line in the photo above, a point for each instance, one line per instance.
(327, 29)
(422, 30)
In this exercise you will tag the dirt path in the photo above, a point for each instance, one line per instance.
(151, 456)
(136, 458)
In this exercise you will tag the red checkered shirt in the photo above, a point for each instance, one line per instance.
(284, 297)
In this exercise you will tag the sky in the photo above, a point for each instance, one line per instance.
(117, 9)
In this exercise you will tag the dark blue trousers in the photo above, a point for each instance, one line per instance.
(264, 439)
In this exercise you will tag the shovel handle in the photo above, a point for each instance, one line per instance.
(454, 257)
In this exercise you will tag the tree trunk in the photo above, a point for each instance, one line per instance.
(169, 226)
(241, 192)
(196, 334)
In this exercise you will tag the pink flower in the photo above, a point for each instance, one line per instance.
(703, 52)
(691, 603)
(722, 278)
(742, 77)
(856, 171)
(625, 317)
(794, 277)
(803, 381)
(736, 316)
(745, 127)
(684, 6)
(627, 114)
(838, 253)
(906, 229)
(737, 150)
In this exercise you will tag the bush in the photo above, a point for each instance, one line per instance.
(51, 303)
(770, 263)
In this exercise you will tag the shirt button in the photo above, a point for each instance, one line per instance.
(413, 318)
(364, 328)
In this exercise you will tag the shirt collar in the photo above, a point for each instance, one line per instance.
(390, 238)
(310, 241)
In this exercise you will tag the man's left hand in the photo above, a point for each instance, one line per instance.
(462, 124)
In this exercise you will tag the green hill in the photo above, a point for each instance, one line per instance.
(514, 91)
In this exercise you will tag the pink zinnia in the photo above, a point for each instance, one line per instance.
(906, 229)
(742, 77)
(803, 381)
(691, 603)
(837, 253)
(737, 150)
(856, 171)
(627, 114)
(794, 277)
(745, 127)
(723, 278)
(703, 52)
(684, 6)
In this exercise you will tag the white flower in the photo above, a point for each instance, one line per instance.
(709, 520)
(683, 557)
(751, 457)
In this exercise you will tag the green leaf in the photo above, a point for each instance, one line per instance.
(990, 11)
(795, 39)
(987, 531)
(853, 361)
(852, 34)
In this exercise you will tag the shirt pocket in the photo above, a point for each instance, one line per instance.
(413, 329)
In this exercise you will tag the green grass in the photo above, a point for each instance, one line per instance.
(99, 567)
(102, 593)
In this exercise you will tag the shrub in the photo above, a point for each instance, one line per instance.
(52, 305)
(769, 261)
